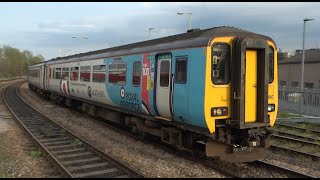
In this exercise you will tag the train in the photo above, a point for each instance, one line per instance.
(212, 91)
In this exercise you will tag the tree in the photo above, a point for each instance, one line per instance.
(15, 63)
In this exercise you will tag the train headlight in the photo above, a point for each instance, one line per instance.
(219, 111)
(271, 107)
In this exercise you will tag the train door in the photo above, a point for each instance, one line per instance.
(45, 77)
(41, 77)
(180, 89)
(251, 86)
(250, 82)
(163, 89)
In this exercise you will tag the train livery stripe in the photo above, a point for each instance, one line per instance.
(145, 84)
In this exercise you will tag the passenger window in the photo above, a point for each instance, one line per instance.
(85, 73)
(65, 73)
(136, 73)
(99, 73)
(117, 73)
(271, 64)
(164, 73)
(58, 73)
(74, 75)
(181, 70)
(220, 63)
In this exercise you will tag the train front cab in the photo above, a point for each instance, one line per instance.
(240, 97)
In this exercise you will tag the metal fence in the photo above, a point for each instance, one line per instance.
(289, 100)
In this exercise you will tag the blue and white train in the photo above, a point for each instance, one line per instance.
(212, 90)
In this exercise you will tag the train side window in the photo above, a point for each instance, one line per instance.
(164, 73)
(117, 73)
(85, 73)
(271, 64)
(58, 73)
(136, 73)
(181, 70)
(99, 73)
(65, 73)
(74, 75)
(220, 63)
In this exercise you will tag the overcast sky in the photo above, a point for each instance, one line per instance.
(47, 28)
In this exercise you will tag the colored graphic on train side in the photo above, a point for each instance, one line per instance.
(129, 100)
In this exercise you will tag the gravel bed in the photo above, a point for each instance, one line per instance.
(15, 152)
(298, 164)
(149, 160)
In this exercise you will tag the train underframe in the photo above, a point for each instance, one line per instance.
(227, 143)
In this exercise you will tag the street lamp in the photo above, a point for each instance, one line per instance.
(149, 31)
(84, 37)
(302, 63)
(181, 13)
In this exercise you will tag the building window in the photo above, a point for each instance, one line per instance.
(308, 85)
(85, 73)
(181, 70)
(74, 75)
(282, 83)
(136, 73)
(117, 73)
(58, 73)
(99, 73)
(164, 73)
(65, 73)
(294, 84)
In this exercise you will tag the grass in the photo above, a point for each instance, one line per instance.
(77, 142)
(5, 176)
(63, 131)
(287, 115)
(36, 153)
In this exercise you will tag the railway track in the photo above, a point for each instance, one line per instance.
(297, 127)
(290, 173)
(73, 156)
(225, 171)
(297, 137)
(304, 144)
(292, 151)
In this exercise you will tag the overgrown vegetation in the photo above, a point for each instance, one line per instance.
(36, 153)
(5, 176)
(62, 131)
(287, 115)
(15, 62)
(77, 142)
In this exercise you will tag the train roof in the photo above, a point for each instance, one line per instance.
(37, 65)
(193, 38)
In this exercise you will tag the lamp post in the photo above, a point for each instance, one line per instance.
(149, 31)
(302, 63)
(181, 13)
(84, 37)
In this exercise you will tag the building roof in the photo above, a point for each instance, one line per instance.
(311, 56)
